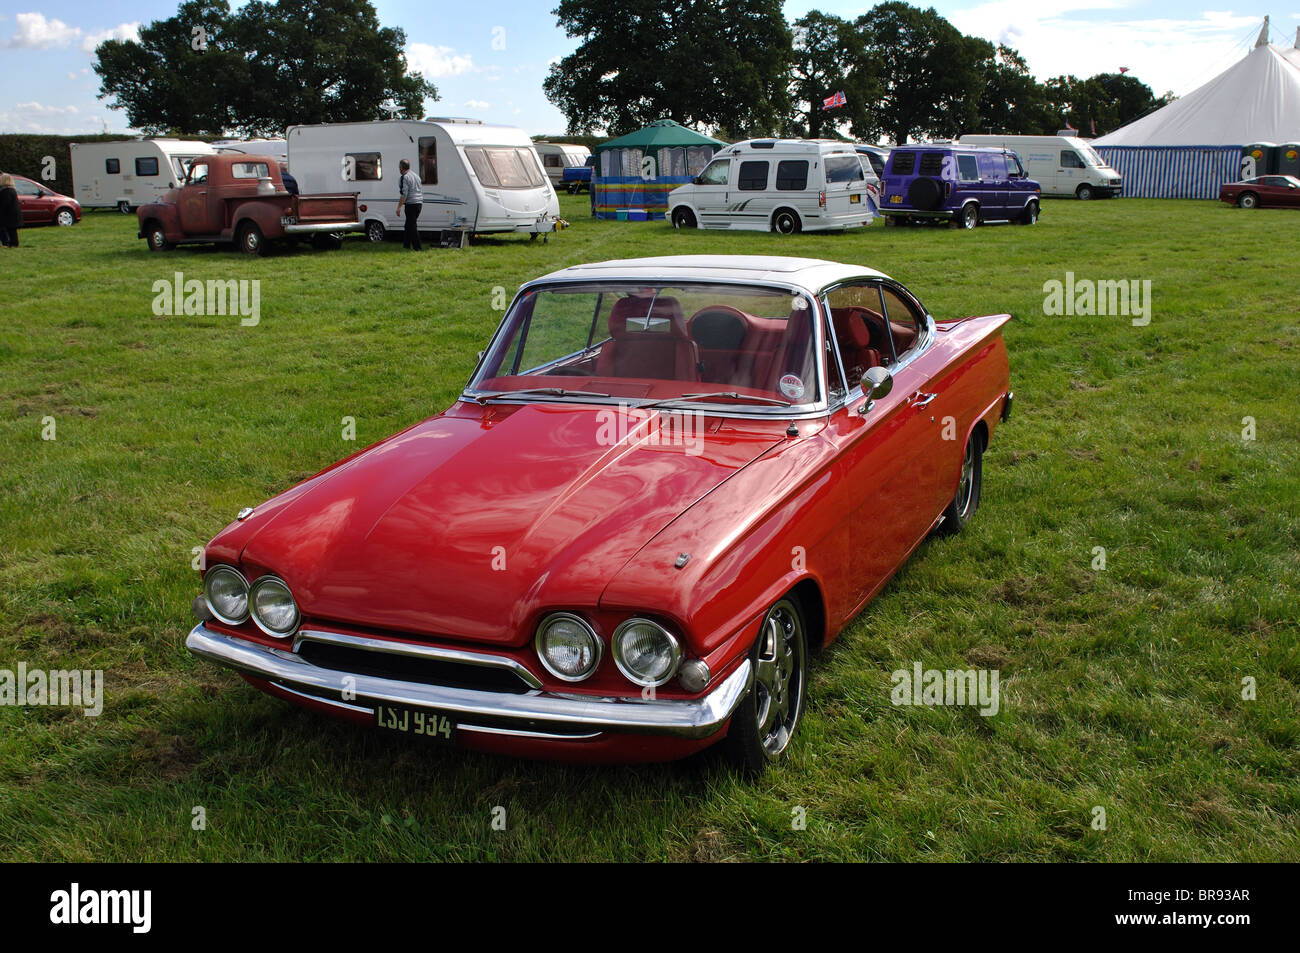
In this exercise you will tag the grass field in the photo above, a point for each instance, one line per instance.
(1122, 688)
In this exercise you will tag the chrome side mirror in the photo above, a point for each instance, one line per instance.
(877, 382)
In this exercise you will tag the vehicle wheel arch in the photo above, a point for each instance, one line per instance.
(798, 219)
(808, 591)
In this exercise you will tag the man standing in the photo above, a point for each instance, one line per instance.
(412, 197)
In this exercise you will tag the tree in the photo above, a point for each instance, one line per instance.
(1012, 101)
(1106, 101)
(698, 62)
(260, 69)
(930, 72)
(830, 55)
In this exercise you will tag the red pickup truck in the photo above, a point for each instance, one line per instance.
(242, 199)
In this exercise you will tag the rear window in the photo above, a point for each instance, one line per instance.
(792, 175)
(505, 167)
(931, 163)
(249, 170)
(146, 166)
(752, 176)
(844, 169)
(903, 162)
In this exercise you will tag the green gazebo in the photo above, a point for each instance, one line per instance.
(635, 173)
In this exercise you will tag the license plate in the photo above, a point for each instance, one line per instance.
(287, 220)
(895, 200)
(421, 722)
(855, 199)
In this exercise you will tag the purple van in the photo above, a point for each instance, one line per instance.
(965, 185)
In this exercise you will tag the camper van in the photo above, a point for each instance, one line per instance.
(476, 178)
(1062, 165)
(779, 185)
(558, 156)
(130, 172)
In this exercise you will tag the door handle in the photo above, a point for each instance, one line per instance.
(920, 399)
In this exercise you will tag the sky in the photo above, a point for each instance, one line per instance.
(488, 57)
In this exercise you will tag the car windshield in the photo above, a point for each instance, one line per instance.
(746, 346)
(1091, 155)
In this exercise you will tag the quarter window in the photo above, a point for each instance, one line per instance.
(904, 321)
(752, 176)
(792, 175)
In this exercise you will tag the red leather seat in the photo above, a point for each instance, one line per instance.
(720, 332)
(648, 343)
(853, 334)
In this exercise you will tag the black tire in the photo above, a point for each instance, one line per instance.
(65, 217)
(327, 241)
(925, 194)
(970, 216)
(1248, 200)
(157, 238)
(684, 218)
(1030, 215)
(250, 240)
(376, 231)
(1084, 192)
(785, 221)
(768, 716)
(124, 207)
(967, 498)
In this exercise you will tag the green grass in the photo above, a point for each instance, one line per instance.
(1121, 688)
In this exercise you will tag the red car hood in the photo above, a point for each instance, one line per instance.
(470, 523)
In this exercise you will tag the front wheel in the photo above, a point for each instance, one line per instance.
(376, 231)
(1084, 193)
(967, 499)
(250, 240)
(786, 222)
(1248, 200)
(65, 218)
(683, 218)
(157, 238)
(767, 717)
(1030, 214)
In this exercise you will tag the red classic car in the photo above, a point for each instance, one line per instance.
(43, 206)
(667, 482)
(1270, 191)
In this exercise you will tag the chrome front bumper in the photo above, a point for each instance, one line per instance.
(535, 713)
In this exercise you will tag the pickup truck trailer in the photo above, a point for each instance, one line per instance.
(242, 199)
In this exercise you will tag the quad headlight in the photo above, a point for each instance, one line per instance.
(568, 647)
(645, 652)
(226, 592)
(272, 606)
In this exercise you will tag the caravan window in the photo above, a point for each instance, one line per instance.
(505, 167)
(428, 160)
(113, 166)
(249, 170)
(146, 166)
(365, 166)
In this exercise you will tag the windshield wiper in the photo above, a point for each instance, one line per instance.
(730, 394)
(544, 391)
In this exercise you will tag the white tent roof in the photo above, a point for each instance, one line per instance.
(1257, 100)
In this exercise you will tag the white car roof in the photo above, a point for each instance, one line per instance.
(810, 273)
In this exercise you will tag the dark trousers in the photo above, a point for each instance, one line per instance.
(9, 237)
(411, 238)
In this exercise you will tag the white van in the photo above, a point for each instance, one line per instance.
(1062, 165)
(781, 185)
(558, 156)
(476, 178)
(130, 172)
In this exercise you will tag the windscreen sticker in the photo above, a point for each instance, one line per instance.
(792, 387)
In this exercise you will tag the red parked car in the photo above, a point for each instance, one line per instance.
(667, 483)
(44, 206)
(1270, 191)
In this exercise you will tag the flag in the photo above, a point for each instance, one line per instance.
(830, 102)
(1123, 70)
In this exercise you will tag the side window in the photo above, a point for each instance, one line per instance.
(366, 166)
(904, 321)
(716, 173)
(752, 176)
(991, 166)
(23, 187)
(861, 332)
(967, 169)
(931, 163)
(1070, 160)
(113, 166)
(428, 160)
(198, 173)
(835, 389)
(792, 175)
(146, 165)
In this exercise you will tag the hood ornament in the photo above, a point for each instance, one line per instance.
(244, 514)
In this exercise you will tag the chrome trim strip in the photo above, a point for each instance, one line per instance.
(694, 718)
(432, 652)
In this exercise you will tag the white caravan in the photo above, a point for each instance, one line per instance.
(1062, 165)
(781, 185)
(476, 178)
(130, 172)
(558, 156)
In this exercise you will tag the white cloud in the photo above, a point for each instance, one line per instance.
(123, 31)
(434, 61)
(477, 104)
(43, 110)
(34, 32)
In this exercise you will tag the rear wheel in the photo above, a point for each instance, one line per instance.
(786, 222)
(124, 207)
(683, 218)
(1248, 200)
(970, 216)
(250, 240)
(1084, 192)
(767, 717)
(376, 231)
(967, 499)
